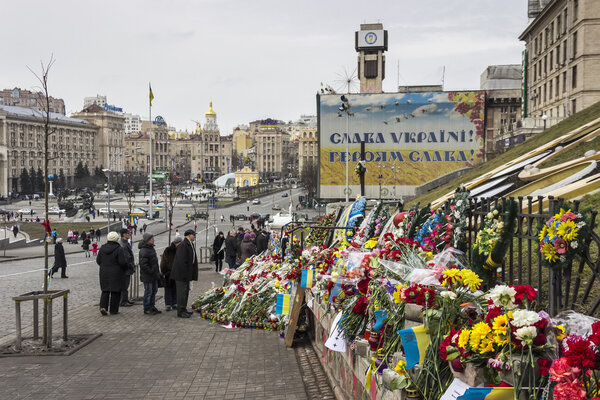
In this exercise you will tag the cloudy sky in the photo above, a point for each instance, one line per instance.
(253, 59)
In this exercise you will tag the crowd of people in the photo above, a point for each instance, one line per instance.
(238, 246)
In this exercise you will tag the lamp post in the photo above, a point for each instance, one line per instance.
(380, 176)
(108, 171)
(544, 118)
(345, 107)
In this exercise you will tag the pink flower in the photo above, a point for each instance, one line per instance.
(562, 371)
(568, 217)
(561, 246)
(569, 391)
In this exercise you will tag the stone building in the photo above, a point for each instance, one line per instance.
(246, 177)
(24, 98)
(137, 151)
(562, 58)
(274, 152)
(242, 140)
(109, 146)
(22, 145)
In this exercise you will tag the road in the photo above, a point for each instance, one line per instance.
(18, 277)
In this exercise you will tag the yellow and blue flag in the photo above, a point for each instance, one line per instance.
(283, 304)
(335, 290)
(151, 94)
(415, 342)
(488, 393)
(308, 278)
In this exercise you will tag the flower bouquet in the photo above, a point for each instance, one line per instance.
(562, 238)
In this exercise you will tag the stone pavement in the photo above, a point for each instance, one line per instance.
(162, 357)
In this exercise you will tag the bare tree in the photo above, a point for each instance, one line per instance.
(130, 198)
(43, 102)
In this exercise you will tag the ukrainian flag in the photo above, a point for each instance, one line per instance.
(308, 277)
(151, 94)
(415, 342)
(488, 393)
(283, 304)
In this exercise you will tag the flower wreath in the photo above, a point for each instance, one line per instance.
(562, 238)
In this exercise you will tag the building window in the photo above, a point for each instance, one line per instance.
(574, 106)
(544, 92)
(564, 81)
(557, 86)
(574, 77)
(575, 10)
(550, 89)
(558, 26)
(574, 44)
(504, 109)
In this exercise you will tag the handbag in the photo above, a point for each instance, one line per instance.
(213, 257)
(162, 281)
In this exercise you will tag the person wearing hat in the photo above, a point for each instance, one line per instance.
(166, 266)
(60, 261)
(248, 248)
(113, 264)
(185, 270)
(126, 246)
(149, 273)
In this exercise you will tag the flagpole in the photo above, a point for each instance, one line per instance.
(150, 153)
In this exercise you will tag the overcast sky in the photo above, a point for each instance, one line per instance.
(253, 59)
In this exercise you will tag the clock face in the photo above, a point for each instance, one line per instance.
(370, 38)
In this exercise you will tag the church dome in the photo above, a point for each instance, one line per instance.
(211, 112)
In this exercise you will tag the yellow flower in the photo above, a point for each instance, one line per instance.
(400, 368)
(487, 345)
(451, 276)
(543, 233)
(480, 331)
(470, 279)
(568, 230)
(463, 338)
(397, 294)
(550, 252)
(500, 324)
(561, 335)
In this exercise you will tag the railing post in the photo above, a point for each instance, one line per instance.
(65, 320)
(18, 316)
(36, 323)
(49, 323)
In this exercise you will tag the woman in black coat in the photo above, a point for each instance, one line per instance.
(149, 273)
(60, 261)
(219, 251)
(113, 264)
(166, 266)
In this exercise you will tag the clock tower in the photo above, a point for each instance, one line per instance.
(370, 43)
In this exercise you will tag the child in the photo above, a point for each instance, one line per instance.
(94, 248)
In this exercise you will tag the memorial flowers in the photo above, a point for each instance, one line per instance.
(561, 238)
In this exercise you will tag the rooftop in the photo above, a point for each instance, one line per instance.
(32, 113)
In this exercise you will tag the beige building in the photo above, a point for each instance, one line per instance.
(242, 140)
(24, 98)
(308, 149)
(109, 146)
(137, 151)
(22, 145)
(562, 58)
(180, 153)
(274, 152)
(246, 177)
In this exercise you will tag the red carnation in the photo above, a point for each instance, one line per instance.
(363, 285)
(544, 366)
(525, 294)
(361, 305)
(579, 352)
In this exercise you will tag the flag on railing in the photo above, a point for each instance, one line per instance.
(308, 277)
(335, 290)
(415, 342)
(488, 393)
(283, 304)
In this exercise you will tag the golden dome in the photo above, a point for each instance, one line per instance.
(211, 112)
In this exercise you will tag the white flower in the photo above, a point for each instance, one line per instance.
(580, 224)
(448, 294)
(579, 215)
(489, 216)
(457, 214)
(459, 203)
(495, 212)
(526, 334)
(574, 244)
(562, 258)
(523, 318)
(306, 254)
(502, 295)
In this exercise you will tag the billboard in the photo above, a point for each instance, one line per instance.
(410, 139)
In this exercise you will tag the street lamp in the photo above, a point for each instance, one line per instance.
(345, 107)
(108, 202)
(544, 118)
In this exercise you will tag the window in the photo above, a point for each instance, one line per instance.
(574, 77)
(564, 77)
(558, 54)
(544, 92)
(574, 106)
(556, 86)
(564, 52)
(575, 10)
(558, 26)
(574, 44)
(550, 89)
(504, 109)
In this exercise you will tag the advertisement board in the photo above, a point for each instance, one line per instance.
(410, 139)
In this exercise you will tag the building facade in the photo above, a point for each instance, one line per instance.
(133, 123)
(562, 59)
(274, 152)
(109, 146)
(246, 177)
(308, 148)
(22, 145)
(97, 100)
(24, 98)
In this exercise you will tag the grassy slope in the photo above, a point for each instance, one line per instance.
(556, 131)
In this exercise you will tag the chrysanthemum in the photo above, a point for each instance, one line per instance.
(568, 230)
(500, 324)
(503, 296)
(525, 318)
(478, 333)
(463, 338)
(549, 251)
(451, 276)
(470, 279)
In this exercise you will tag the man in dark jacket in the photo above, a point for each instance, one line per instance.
(262, 242)
(184, 271)
(113, 264)
(231, 249)
(60, 261)
(149, 273)
(124, 242)
(166, 266)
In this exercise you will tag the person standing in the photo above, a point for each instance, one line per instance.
(185, 270)
(98, 234)
(126, 246)
(219, 254)
(86, 245)
(15, 230)
(149, 273)
(247, 248)
(231, 249)
(94, 249)
(262, 242)
(113, 264)
(60, 261)
(166, 266)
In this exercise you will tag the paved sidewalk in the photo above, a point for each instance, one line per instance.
(158, 357)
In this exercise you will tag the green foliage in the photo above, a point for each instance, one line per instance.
(25, 181)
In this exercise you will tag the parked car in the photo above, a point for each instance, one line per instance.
(284, 194)
(55, 210)
(25, 211)
(200, 215)
(276, 207)
(255, 216)
(241, 217)
(256, 201)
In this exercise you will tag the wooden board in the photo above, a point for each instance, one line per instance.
(294, 314)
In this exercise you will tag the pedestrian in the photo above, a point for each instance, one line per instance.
(185, 270)
(247, 248)
(166, 266)
(75, 236)
(113, 264)
(87, 218)
(95, 249)
(149, 273)
(15, 230)
(86, 245)
(218, 251)
(54, 236)
(135, 229)
(92, 234)
(69, 236)
(126, 246)
(177, 234)
(83, 235)
(144, 228)
(98, 234)
(232, 220)
(231, 249)
(94, 214)
(262, 241)
(222, 218)
(60, 261)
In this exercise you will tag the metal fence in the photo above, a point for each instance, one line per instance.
(576, 287)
